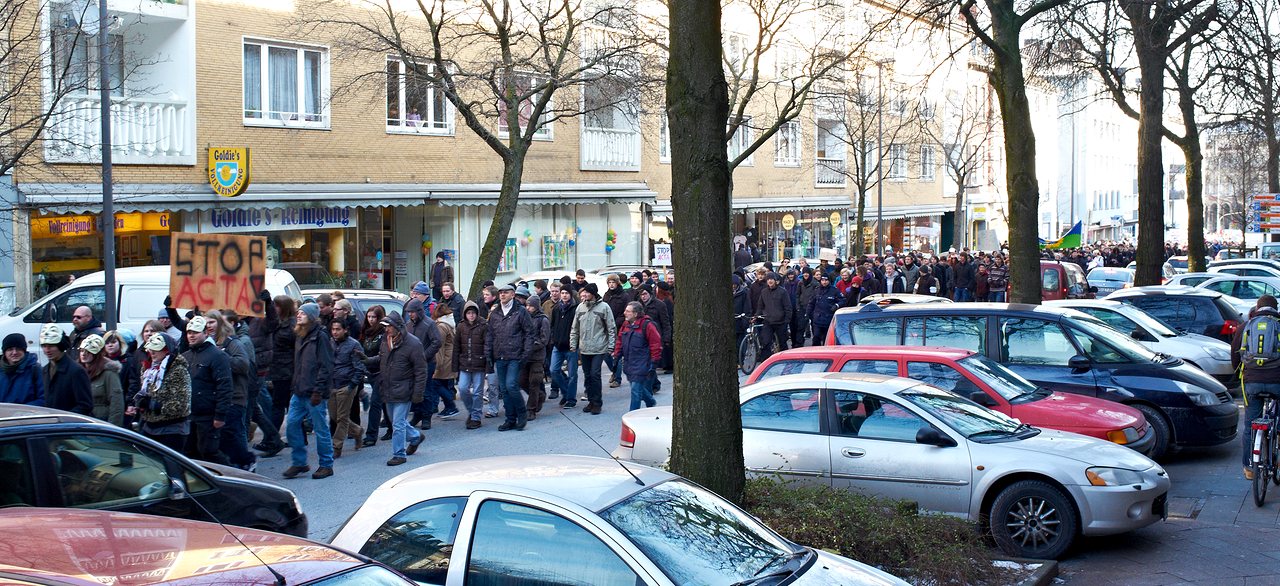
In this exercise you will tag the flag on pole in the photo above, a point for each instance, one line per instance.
(1071, 239)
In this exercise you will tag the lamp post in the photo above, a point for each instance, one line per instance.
(880, 65)
(108, 218)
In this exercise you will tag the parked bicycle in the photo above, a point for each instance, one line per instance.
(749, 349)
(1266, 448)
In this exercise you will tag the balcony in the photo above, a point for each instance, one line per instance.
(610, 149)
(143, 131)
(829, 172)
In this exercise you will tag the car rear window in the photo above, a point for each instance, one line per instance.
(873, 332)
(783, 367)
(885, 367)
(968, 333)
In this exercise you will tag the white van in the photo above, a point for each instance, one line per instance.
(140, 293)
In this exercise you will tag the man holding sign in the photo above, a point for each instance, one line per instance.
(218, 271)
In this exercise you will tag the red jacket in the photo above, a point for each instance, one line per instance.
(634, 338)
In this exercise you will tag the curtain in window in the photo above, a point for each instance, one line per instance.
(282, 72)
(312, 86)
(252, 81)
(115, 64)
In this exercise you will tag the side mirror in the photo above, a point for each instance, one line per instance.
(1142, 335)
(1093, 288)
(982, 398)
(1079, 363)
(930, 436)
(177, 490)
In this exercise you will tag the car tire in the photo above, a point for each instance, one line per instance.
(1163, 442)
(1033, 519)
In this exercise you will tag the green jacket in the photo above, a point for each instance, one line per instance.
(594, 329)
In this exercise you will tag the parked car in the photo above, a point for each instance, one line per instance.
(576, 520)
(60, 546)
(1181, 264)
(1109, 279)
(974, 377)
(1063, 350)
(1191, 309)
(1233, 253)
(1190, 279)
(1063, 280)
(1244, 288)
(1208, 354)
(140, 294)
(362, 299)
(1036, 490)
(1269, 250)
(51, 458)
(1166, 270)
(1252, 260)
(309, 274)
(883, 299)
(1246, 270)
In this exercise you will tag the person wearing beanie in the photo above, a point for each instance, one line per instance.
(592, 337)
(822, 308)
(163, 404)
(420, 291)
(122, 347)
(312, 382)
(441, 273)
(775, 309)
(66, 385)
(104, 380)
(20, 380)
(617, 299)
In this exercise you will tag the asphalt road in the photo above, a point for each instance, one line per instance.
(330, 501)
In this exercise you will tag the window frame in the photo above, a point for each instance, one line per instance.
(460, 501)
(897, 368)
(897, 162)
(742, 138)
(1007, 359)
(545, 131)
(664, 139)
(265, 118)
(791, 132)
(837, 428)
(427, 125)
(928, 164)
(162, 460)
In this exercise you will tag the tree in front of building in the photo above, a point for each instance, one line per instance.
(1246, 59)
(1235, 171)
(512, 71)
(963, 136)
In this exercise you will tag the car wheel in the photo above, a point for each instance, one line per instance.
(1033, 519)
(1162, 443)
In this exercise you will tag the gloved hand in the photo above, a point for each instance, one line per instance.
(168, 300)
(265, 296)
(315, 399)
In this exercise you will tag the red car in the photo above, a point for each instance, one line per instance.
(976, 377)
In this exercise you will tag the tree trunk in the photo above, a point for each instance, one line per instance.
(1020, 157)
(505, 213)
(1273, 158)
(958, 224)
(1195, 182)
(706, 441)
(862, 218)
(1150, 48)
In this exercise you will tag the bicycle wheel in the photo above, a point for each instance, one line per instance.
(747, 355)
(1275, 459)
(1260, 469)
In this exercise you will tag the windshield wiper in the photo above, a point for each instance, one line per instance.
(996, 432)
(779, 557)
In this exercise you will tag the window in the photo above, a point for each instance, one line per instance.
(942, 376)
(783, 411)
(16, 485)
(897, 161)
(527, 85)
(418, 541)
(415, 103)
(787, 145)
(874, 332)
(927, 163)
(1050, 280)
(784, 367)
(98, 471)
(1035, 342)
(285, 85)
(885, 367)
(1224, 287)
(741, 140)
(787, 59)
(664, 141)
(1167, 309)
(61, 308)
(870, 417)
(76, 56)
(969, 333)
(1254, 289)
(927, 109)
(735, 51)
(1097, 350)
(515, 544)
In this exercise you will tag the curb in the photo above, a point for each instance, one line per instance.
(1043, 576)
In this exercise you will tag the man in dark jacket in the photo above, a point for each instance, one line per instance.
(312, 381)
(741, 307)
(451, 297)
(262, 335)
(233, 437)
(806, 287)
(66, 384)
(401, 367)
(822, 308)
(640, 347)
(511, 339)
(617, 298)
(1258, 378)
(424, 329)
(533, 370)
(441, 273)
(775, 311)
(281, 369)
(963, 278)
(212, 387)
(741, 257)
(20, 378)
(562, 358)
(84, 325)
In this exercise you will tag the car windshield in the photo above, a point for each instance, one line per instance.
(696, 537)
(998, 377)
(1178, 263)
(1091, 326)
(970, 419)
(1102, 275)
(1145, 320)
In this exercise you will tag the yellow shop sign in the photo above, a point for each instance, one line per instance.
(229, 170)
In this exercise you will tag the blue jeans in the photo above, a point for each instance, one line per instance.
(491, 391)
(996, 296)
(400, 427)
(471, 388)
(300, 408)
(1253, 411)
(439, 390)
(376, 413)
(642, 391)
(233, 441)
(963, 294)
(568, 383)
(508, 375)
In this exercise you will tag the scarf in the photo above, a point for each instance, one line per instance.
(152, 377)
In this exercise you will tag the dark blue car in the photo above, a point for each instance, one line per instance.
(1062, 350)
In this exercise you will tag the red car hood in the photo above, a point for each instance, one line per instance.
(1079, 414)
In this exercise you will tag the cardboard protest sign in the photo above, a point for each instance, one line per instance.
(218, 271)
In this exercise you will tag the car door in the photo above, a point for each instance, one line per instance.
(17, 477)
(110, 472)
(873, 450)
(1039, 350)
(782, 435)
(419, 540)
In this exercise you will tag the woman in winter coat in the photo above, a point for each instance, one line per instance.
(470, 361)
(442, 380)
(163, 403)
(122, 347)
(104, 380)
(281, 369)
(371, 339)
(20, 380)
(640, 347)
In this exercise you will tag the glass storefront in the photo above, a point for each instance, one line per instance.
(63, 246)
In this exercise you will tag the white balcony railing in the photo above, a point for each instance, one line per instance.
(610, 149)
(829, 172)
(143, 130)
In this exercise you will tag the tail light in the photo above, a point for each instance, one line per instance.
(628, 439)
(1229, 327)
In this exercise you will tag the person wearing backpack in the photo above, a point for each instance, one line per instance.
(1256, 348)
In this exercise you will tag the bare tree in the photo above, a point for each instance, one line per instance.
(522, 65)
(1234, 169)
(1248, 60)
(967, 128)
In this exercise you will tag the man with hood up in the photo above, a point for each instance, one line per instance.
(424, 329)
(471, 361)
(401, 366)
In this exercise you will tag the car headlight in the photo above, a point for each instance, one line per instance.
(1200, 396)
(1124, 436)
(1217, 353)
(1103, 476)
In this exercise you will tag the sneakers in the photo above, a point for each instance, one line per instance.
(554, 394)
(613, 384)
(1248, 473)
(413, 446)
(568, 404)
(449, 414)
(386, 437)
(473, 424)
(294, 471)
(490, 415)
(322, 472)
(396, 461)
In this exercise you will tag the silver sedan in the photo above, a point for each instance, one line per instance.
(903, 439)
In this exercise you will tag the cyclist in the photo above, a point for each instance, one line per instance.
(1261, 362)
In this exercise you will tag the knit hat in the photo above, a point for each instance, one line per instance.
(421, 288)
(313, 311)
(51, 334)
(93, 344)
(199, 323)
(637, 276)
(857, 281)
(156, 342)
(164, 313)
(522, 291)
(14, 340)
(593, 290)
(737, 280)
(565, 280)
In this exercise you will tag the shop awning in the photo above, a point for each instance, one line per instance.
(777, 204)
(143, 197)
(898, 212)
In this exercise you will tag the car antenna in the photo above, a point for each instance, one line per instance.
(606, 452)
(178, 489)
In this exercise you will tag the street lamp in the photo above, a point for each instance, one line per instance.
(880, 65)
